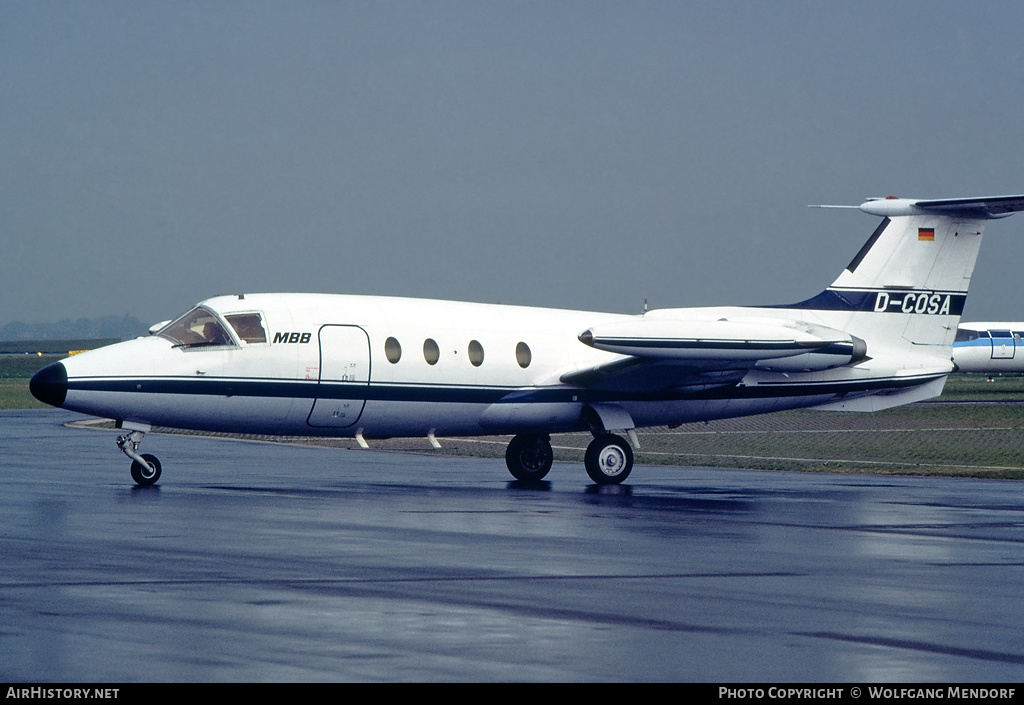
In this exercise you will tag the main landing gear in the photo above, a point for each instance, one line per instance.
(145, 467)
(529, 456)
(608, 461)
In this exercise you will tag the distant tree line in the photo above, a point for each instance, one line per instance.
(107, 327)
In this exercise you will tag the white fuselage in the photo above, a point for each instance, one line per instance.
(325, 370)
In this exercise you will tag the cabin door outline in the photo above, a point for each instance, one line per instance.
(344, 376)
(1003, 345)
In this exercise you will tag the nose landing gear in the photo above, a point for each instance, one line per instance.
(145, 467)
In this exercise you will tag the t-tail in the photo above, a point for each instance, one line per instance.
(905, 290)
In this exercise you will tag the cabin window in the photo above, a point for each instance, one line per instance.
(476, 353)
(392, 350)
(523, 355)
(248, 327)
(431, 353)
(198, 327)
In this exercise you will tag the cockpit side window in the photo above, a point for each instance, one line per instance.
(248, 327)
(198, 327)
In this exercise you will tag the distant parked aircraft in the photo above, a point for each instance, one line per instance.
(989, 348)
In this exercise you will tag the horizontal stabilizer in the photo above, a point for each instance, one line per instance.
(983, 208)
(992, 207)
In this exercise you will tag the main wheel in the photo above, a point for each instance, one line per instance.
(146, 475)
(609, 459)
(529, 457)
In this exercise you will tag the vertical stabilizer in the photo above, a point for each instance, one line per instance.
(907, 286)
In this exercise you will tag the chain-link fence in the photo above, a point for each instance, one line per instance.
(979, 438)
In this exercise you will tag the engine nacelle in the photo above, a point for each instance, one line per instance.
(785, 346)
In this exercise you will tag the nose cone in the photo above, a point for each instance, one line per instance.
(50, 384)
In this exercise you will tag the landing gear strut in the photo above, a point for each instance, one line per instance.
(145, 467)
(529, 456)
(609, 459)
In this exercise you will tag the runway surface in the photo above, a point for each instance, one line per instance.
(261, 562)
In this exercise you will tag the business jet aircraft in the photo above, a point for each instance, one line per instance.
(375, 367)
(989, 348)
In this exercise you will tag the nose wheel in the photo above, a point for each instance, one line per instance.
(145, 468)
(146, 475)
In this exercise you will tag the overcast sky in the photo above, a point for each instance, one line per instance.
(556, 153)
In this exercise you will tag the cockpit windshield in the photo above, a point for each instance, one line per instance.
(198, 327)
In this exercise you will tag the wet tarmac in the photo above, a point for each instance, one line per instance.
(263, 562)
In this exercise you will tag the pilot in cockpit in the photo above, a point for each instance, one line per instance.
(213, 334)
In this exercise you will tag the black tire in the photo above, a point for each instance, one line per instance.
(146, 476)
(609, 459)
(529, 457)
